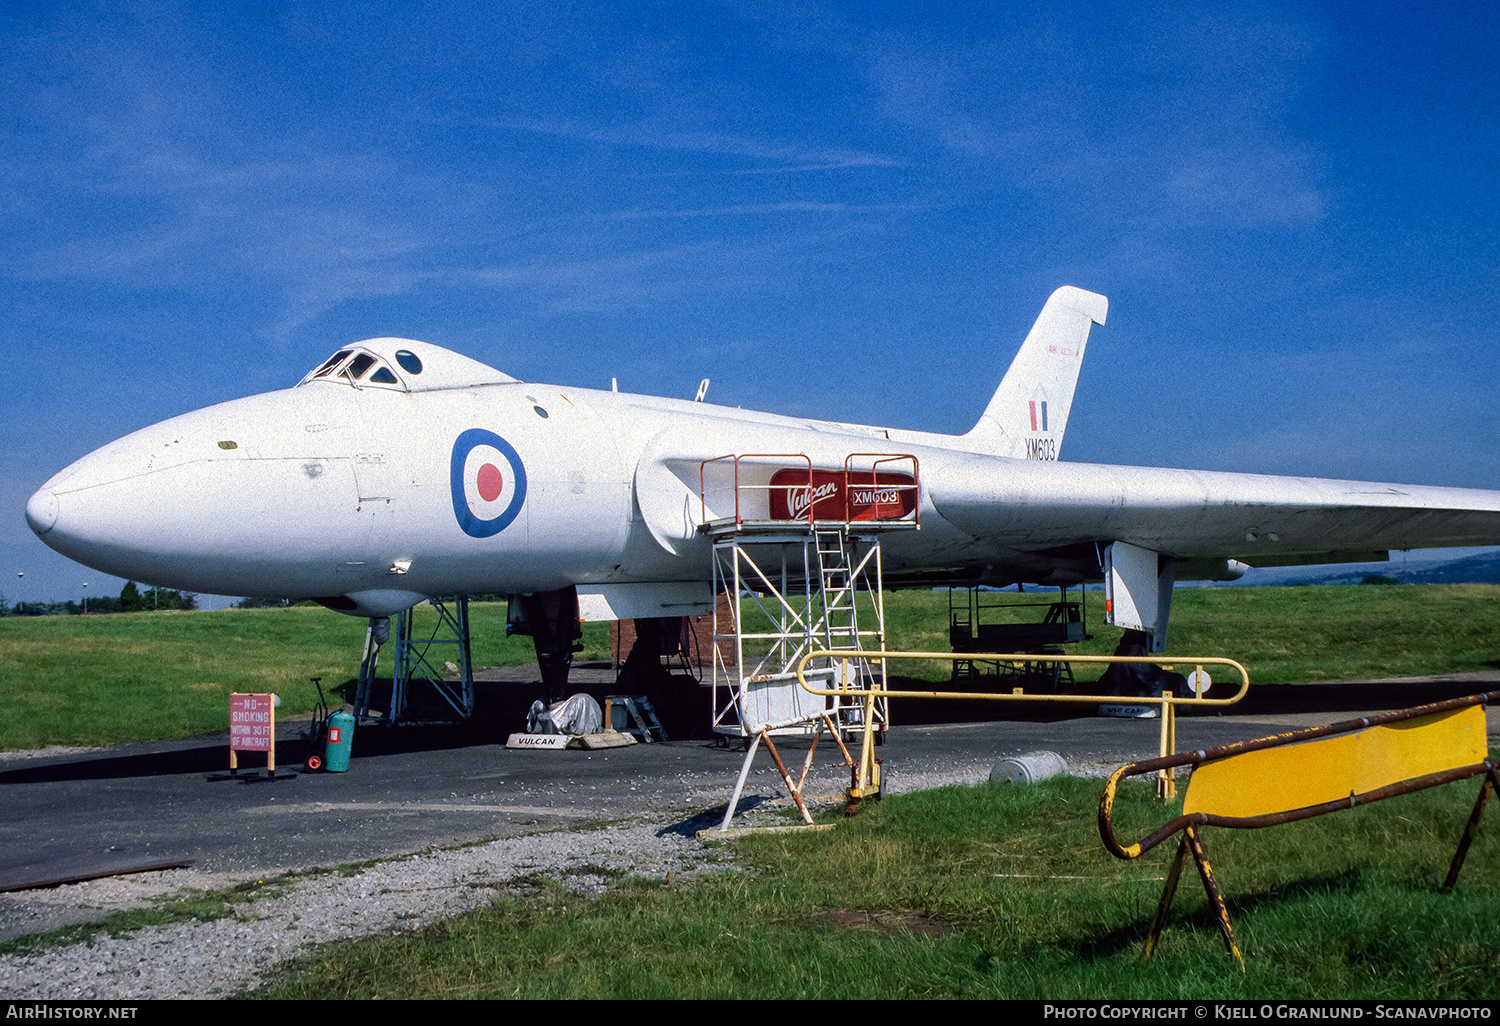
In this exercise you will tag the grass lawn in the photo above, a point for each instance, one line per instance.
(985, 892)
(96, 680)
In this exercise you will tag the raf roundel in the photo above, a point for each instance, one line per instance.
(488, 483)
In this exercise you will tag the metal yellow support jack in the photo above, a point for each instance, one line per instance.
(868, 778)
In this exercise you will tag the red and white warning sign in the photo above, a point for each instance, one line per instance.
(252, 722)
(252, 728)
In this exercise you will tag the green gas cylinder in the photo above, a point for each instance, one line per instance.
(340, 742)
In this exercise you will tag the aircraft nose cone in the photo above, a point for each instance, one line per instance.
(41, 511)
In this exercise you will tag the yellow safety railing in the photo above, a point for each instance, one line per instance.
(868, 779)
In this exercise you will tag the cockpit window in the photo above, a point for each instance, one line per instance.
(358, 366)
(403, 365)
(333, 361)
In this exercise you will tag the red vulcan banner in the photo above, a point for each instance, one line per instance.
(836, 495)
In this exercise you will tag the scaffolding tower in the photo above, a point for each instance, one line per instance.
(798, 553)
(422, 693)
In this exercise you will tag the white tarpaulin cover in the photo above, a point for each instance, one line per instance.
(577, 714)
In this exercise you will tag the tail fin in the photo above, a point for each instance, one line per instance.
(1029, 412)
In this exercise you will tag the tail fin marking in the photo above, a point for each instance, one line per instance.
(1028, 414)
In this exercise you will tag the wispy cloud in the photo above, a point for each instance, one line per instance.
(760, 209)
(778, 156)
(1193, 125)
(635, 280)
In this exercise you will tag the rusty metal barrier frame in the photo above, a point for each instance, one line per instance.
(867, 779)
(1190, 823)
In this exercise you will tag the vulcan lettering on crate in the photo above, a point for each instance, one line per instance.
(798, 501)
(798, 494)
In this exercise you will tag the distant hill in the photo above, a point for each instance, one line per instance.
(1480, 568)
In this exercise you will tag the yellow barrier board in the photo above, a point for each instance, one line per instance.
(1310, 772)
(1329, 769)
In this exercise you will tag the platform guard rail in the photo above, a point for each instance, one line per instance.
(1312, 772)
(867, 778)
(895, 462)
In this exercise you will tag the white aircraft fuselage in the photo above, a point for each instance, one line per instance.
(326, 490)
(399, 470)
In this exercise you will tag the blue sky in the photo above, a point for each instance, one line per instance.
(853, 210)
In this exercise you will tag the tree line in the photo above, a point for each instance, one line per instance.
(131, 600)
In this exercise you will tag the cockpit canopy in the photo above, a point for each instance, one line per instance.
(404, 365)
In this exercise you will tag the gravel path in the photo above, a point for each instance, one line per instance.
(232, 955)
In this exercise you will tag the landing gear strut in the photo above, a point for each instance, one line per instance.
(552, 622)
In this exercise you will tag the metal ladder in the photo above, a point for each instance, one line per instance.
(638, 711)
(836, 575)
(839, 578)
